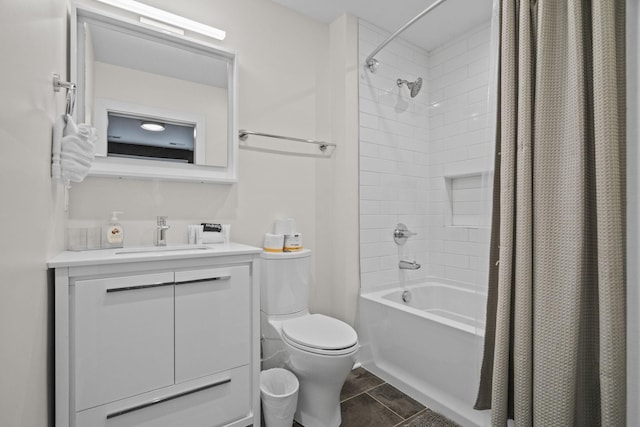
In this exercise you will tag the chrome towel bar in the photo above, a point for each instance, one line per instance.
(322, 145)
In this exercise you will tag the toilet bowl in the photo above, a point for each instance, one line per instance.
(318, 349)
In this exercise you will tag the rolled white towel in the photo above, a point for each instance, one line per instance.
(73, 152)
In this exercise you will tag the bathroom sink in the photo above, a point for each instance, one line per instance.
(159, 249)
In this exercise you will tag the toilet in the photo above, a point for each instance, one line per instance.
(318, 349)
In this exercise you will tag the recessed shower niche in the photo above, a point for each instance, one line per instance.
(467, 196)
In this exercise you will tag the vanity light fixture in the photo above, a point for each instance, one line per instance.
(166, 17)
(170, 29)
(152, 126)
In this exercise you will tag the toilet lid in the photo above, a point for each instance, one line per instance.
(317, 331)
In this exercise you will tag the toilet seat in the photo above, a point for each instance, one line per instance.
(316, 333)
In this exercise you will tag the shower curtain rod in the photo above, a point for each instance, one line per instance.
(371, 62)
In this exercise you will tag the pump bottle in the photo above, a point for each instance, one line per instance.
(114, 233)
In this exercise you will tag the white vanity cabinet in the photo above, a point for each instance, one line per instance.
(157, 339)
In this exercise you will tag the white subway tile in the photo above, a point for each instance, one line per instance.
(454, 155)
(370, 235)
(485, 149)
(480, 94)
(378, 249)
(369, 121)
(396, 128)
(370, 178)
(480, 235)
(479, 263)
(480, 51)
(466, 85)
(448, 78)
(479, 66)
(466, 167)
(451, 260)
(472, 209)
(439, 56)
(370, 207)
(477, 122)
(368, 192)
(368, 149)
(369, 265)
(464, 275)
(466, 248)
(482, 35)
(450, 234)
(375, 136)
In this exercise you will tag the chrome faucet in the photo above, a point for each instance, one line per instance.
(409, 265)
(161, 231)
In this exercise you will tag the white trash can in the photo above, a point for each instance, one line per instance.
(279, 393)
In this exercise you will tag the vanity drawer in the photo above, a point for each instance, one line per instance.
(212, 401)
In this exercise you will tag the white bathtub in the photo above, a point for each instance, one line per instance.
(431, 347)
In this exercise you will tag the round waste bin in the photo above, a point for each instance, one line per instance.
(279, 393)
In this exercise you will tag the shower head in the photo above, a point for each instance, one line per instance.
(414, 87)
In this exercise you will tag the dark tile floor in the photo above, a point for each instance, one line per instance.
(368, 401)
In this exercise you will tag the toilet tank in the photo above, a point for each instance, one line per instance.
(284, 281)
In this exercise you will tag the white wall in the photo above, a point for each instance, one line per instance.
(338, 272)
(633, 214)
(33, 34)
(283, 89)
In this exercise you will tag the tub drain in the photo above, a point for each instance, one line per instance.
(406, 296)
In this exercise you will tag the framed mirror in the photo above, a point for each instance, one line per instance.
(164, 105)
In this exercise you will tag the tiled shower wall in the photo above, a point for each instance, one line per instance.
(460, 141)
(393, 160)
(413, 151)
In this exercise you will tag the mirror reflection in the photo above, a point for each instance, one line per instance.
(140, 137)
(131, 75)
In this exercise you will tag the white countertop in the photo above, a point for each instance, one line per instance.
(148, 253)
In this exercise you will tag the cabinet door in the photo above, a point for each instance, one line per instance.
(123, 337)
(212, 321)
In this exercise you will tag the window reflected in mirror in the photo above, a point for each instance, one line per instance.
(136, 137)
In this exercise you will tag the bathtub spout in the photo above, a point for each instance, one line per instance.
(409, 265)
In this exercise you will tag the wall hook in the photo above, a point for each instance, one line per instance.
(71, 92)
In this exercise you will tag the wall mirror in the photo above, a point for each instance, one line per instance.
(164, 105)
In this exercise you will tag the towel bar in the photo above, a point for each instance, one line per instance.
(322, 145)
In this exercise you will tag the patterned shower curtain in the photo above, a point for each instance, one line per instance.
(555, 345)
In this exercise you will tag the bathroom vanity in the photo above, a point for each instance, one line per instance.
(161, 337)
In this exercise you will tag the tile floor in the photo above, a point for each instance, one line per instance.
(368, 401)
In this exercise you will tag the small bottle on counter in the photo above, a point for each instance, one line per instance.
(114, 235)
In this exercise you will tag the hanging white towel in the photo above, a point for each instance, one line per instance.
(72, 151)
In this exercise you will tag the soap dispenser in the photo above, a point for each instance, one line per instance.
(115, 233)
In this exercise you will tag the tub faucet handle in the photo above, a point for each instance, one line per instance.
(402, 233)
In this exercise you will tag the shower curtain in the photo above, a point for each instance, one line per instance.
(555, 337)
